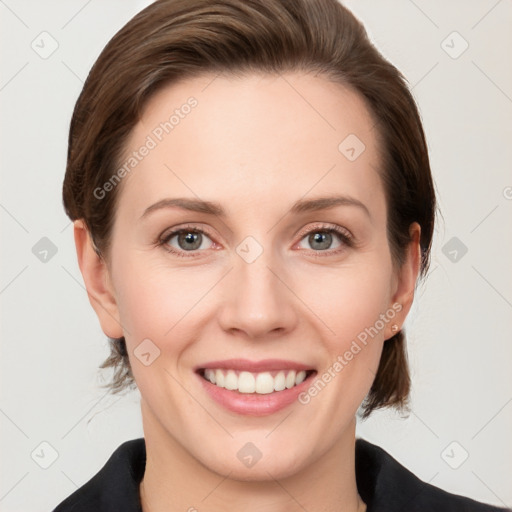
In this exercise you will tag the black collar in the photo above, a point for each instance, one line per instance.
(383, 483)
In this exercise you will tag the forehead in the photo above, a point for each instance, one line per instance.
(252, 139)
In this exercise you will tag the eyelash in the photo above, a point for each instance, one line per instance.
(344, 235)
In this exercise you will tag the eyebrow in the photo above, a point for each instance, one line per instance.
(212, 208)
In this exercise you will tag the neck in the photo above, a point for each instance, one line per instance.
(176, 481)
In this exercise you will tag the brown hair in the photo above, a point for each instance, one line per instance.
(176, 39)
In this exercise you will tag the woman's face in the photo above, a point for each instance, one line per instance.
(265, 280)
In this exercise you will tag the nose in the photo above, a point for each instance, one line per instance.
(258, 299)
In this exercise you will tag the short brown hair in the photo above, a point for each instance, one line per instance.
(176, 39)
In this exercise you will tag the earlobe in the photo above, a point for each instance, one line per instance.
(97, 281)
(406, 282)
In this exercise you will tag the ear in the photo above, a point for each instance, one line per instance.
(405, 280)
(97, 281)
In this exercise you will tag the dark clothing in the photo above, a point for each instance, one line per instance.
(383, 484)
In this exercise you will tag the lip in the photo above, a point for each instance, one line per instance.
(264, 365)
(254, 404)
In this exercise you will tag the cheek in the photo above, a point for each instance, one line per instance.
(152, 307)
(150, 302)
(159, 302)
(350, 299)
(352, 304)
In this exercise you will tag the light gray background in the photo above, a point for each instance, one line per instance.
(459, 332)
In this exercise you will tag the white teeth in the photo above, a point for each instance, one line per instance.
(231, 381)
(290, 380)
(264, 383)
(210, 375)
(300, 377)
(279, 382)
(247, 382)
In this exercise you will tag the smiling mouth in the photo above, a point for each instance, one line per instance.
(255, 382)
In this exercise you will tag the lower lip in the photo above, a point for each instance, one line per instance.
(255, 404)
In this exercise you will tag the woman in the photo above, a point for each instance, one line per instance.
(253, 206)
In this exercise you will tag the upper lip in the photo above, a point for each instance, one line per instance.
(255, 366)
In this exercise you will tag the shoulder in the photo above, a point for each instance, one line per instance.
(385, 485)
(115, 487)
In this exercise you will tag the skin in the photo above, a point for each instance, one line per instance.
(255, 145)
